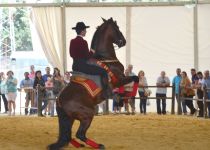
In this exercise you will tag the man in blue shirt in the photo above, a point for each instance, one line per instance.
(45, 76)
(176, 82)
(206, 84)
(194, 77)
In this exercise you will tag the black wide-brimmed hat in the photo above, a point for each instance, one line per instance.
(80, 26)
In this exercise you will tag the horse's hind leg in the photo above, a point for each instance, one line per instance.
(65, 125)
(81, 133)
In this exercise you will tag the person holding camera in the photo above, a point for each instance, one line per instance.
(39, 85)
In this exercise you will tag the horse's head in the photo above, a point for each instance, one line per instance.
(106, 35)
(114, 32)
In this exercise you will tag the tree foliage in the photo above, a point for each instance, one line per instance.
(15, 23)
(22, 30)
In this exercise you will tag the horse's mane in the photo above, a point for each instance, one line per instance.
(99, 28)
(94, 39)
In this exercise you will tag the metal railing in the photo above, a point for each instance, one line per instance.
(205, 100)
(172, 97)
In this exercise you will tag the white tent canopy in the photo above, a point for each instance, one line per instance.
(160, 37)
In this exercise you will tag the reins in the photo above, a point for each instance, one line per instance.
(109, 61)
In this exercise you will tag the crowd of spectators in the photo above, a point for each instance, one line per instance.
(51, 84)
(185, 91)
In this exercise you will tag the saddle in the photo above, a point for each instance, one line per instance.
(91, 83)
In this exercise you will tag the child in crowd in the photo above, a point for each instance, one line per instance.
(50, 95)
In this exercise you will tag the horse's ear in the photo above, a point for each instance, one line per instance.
(104, 20)
(111, 19)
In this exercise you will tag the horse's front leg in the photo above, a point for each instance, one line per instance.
(127, 79)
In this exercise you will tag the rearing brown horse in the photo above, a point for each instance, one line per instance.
(74, 102)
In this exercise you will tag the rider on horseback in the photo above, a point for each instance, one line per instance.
(80, 53)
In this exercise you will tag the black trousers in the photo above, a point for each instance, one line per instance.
(143, 103)
(189, 104)
(81, 65)
(200, 103)
(5, 102)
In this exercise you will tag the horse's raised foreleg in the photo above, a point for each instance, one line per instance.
(126, 80)
(81, 133)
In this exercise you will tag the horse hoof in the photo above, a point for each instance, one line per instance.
(101, 147)
(56, 146)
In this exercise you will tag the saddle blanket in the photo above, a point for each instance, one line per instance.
(92, 88)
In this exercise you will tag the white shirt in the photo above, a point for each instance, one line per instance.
(160, 80)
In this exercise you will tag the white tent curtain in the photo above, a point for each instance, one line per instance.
(48, 23)
(204, 37)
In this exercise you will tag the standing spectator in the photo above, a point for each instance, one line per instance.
(45, 78)
(206, 84)
(50, 95)
(117, 101)
(162, 83)
(11, 84)
(176, 82)
(32, 72)
(3, 91)
(48, 74)
(130, 70)
(194, 77)
(27, 85)
(187, 92)
(194, 80)
(132, 99)
(39, 85)
(129, 88)
(200, 93)
(142, 95)
(58, 83)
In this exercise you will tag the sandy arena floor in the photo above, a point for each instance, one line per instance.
(116, 132)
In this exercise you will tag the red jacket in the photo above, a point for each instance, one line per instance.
(78, 49)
